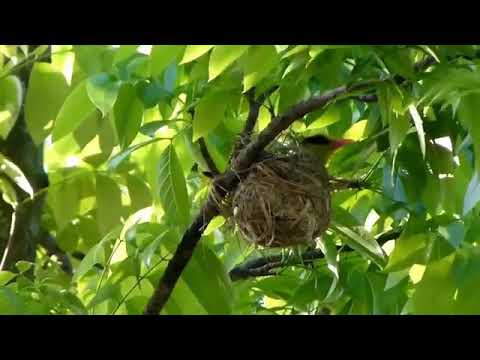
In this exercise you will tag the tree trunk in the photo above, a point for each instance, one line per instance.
(25, 232)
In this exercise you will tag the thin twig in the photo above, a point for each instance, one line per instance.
(265, 266)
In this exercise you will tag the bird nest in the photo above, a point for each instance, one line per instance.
(283, 201)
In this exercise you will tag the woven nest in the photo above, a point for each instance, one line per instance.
(284, 201)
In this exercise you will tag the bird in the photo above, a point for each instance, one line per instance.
(321, 147)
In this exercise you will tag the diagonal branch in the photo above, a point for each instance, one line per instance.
(212, 167)
(229, 180)
(265, 266)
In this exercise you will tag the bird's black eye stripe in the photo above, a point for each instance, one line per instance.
(318, 140)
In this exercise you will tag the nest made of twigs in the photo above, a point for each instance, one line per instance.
(283, 201)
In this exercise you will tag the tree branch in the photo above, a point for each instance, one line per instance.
(229, 180)
(254, 109)
(212, 167)
(264, 266)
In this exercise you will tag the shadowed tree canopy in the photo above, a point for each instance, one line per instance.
(116, 163)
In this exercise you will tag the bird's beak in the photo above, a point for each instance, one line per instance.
(341, 142)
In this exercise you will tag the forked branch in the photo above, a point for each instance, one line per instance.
(229, 180)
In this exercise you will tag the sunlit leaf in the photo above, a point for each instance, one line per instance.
(163, 55)
(15, 174)
(209, 113)
(222, 56)
(102, 89)
(6, 277)
(419, 126)
(11, 97)
(76, 108)
(328, 248)
(109, 203)
(260, 60)
(193, 52)
(128, 112)
(96, 255)
(116, 160)
(369, 248)
(172, 187)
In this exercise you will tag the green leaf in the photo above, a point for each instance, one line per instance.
(152, 248)
(102, 89)
(135, 67)
(15, 174)
(76, 108)
(222, 56)
(295, 50)
(67, 238)
(206, 279)
(291, 94)
(109, 204)
(128, 113)
(397, 131)
(173, 190)
(384, 94)
(8, 50)
(328, 248)
(419, 126)
(206, 276)
(472, 195)
(454, 233)
(163, 55)
(394, 278)
(11, 95)
(96, 255)
(152, 93)
(94, 59)
(399, 62)
(63, 61)
(368, 248)
(193, 52)
(24, 266)
(6, 277)
(214, 224)
(435, 292)
(260, 60)
(11, 303)
(116, 160)
(150, 128)
(209, 113)
(64, 199)
(281, 48)
(323, 118)
(47, 90)
(316, 50)
(468, 116)
(409, 249)
(8, 192)
(107, 292)
(139, 193)
(428, 49)
(124, 52)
